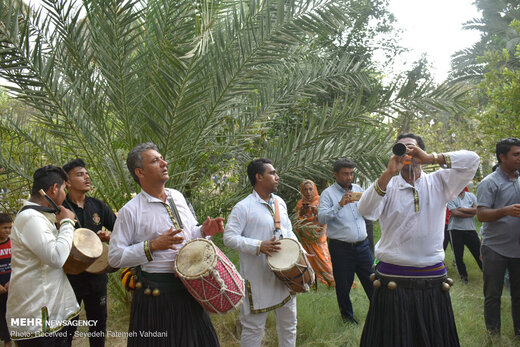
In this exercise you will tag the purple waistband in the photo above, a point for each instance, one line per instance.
(411, 271)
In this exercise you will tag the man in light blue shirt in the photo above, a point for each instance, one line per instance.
(346, 231)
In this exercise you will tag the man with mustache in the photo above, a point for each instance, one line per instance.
(93, 214)
(411, 305)
(251, 231)
(349, 245)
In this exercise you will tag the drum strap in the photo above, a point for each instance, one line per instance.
(174, 214)
(277, 224)
(69, 206)
(38, 208)
(275, 214)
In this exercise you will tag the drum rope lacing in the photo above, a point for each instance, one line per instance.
(212, 279)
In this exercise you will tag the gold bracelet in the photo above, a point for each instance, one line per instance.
(435, 158)
(147, 250)
(378, 189)
(65, 221)
(447, 161)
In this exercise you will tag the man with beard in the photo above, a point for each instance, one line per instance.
(251, 231)
(93, 214)
(41, 299)
(498, 207)
(349, 246)
(411, 305)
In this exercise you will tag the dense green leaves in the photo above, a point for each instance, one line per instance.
(212, 83)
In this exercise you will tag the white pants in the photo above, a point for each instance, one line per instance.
(253, 326)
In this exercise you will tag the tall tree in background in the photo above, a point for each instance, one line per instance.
(207, 81)
(496, 34)
(490, 70)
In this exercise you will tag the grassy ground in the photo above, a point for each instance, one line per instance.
(319, 322)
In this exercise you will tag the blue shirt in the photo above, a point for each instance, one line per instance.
(462, 223)
(343, 223)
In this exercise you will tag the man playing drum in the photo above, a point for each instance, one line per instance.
(411, 305)
(251, 230)
(93, 214)
(148, 235)
(41, 299)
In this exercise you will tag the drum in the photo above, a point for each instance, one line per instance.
(86, 248)
(291, 266)
(101, 266)
(210, 277)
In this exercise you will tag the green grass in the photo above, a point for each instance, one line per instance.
(319, 322)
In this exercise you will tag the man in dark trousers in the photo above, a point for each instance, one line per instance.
(93, 214)
(498, 207)
(349, 245)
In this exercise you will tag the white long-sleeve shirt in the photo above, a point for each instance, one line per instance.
(410, 238)
(39, 289)
(250, 223)
(145, 218)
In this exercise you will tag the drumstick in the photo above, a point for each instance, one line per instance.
(53, 204)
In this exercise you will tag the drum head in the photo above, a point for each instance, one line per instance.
(87, 242)
(195, 258)
(286, 257)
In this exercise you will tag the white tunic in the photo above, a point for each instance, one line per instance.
(249, 223)
(410, 238)
(39, 289)
(145, 218)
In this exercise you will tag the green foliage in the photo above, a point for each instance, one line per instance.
(212, 83)
(496, 34)
(500, 116)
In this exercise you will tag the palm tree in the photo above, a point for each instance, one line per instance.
(205, 80)
(496, 34)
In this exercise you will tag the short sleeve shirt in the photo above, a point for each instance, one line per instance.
(495, 191)
(462, 223)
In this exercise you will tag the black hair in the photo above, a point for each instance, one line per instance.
(47, 176)
(135, 159)
(73, 164)
(417, 138)
(256, 166)
(505, 145)
(341, 163)
(5, 218)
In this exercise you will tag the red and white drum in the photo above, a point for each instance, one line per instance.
(291, 266)
(210, 277)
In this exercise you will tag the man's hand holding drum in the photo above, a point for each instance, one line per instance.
(270, 246)
(167, 240)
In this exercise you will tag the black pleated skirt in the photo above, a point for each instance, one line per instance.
(416, 313)
(173, 318)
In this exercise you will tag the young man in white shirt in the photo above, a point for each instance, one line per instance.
(251, 231)
(41, 299)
